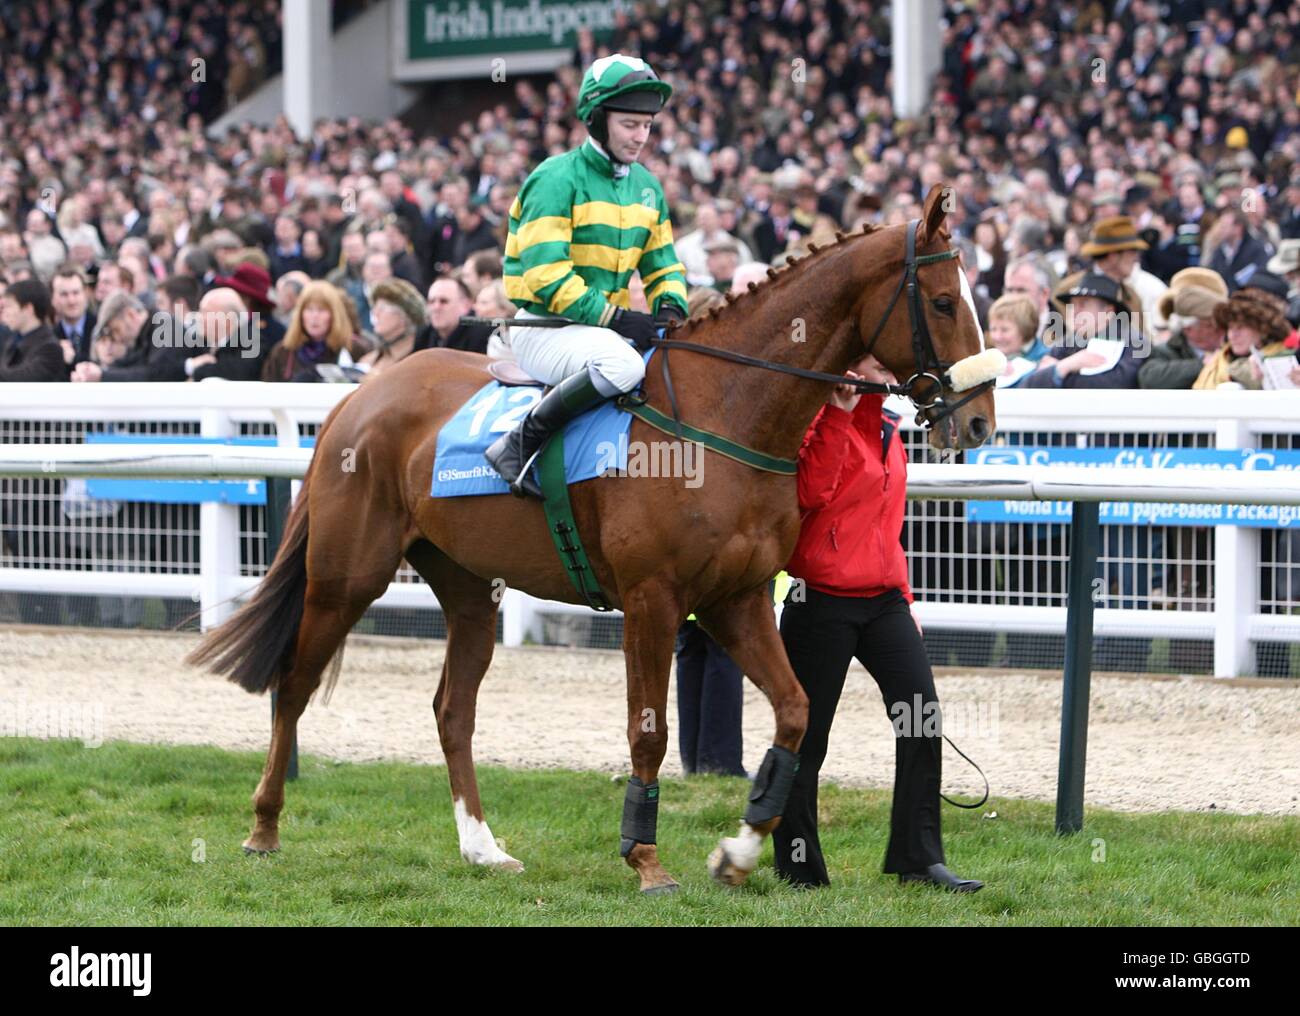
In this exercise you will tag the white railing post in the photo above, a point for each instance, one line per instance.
(514, 624)
(519, 618)
(218, 539)
(1236, 575)
(286, 436)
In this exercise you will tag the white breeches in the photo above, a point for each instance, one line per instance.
(552, 354)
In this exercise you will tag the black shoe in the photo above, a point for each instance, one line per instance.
(938, 875)
(512, 454)
(802, 885)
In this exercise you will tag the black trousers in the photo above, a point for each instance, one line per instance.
(709, 703)
(822, 635)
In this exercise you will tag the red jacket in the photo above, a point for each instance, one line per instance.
(852, 494)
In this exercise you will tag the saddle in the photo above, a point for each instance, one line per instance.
(510, 374)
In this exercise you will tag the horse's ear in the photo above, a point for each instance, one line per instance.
(936, 209)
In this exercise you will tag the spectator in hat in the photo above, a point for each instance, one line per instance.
(397, 313)
(253, 284)
(1227, 188)
(320, 331)
(1115, 249)
(1286, 263)
(729, 223)
(1233, 251)
(32, 353)
(447, 303)
(721, 258)
(1254, 318)
(1098, 307)
(1195, 336)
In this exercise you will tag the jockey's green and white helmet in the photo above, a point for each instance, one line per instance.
(625, 84)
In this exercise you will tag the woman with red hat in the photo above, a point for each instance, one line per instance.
(253, 284)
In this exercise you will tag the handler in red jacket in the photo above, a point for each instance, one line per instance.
(856, 603)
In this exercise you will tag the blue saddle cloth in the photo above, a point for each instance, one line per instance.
(594, 442)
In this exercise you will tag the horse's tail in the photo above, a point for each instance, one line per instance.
(255, 646)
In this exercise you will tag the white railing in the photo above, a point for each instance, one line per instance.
(1230, 419)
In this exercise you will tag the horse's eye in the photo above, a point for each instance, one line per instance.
(945, 306)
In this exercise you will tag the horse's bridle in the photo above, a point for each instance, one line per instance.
(929, 369)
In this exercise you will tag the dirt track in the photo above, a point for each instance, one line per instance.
(1153, 744)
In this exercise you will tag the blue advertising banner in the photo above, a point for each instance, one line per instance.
(181, 491)
(1126, 513)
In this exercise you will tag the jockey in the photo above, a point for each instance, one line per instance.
(584, 221)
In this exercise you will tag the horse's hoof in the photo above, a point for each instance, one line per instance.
(663, 889)
(723, 869)
(252, 851)
(494, 860)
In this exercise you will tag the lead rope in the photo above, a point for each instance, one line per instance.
(958, 804)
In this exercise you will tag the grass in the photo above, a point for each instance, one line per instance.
(146, 835)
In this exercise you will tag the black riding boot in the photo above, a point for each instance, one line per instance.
(512, 453)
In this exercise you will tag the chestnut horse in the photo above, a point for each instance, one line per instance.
(659, 549)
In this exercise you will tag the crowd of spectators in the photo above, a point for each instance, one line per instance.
(1061, 127)
(1129, 159)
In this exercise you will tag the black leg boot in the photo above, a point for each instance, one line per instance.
(512, 454)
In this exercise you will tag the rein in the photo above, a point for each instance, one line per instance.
(929, 368)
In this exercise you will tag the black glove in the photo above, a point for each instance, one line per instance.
(638, 327)
(669, 313)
